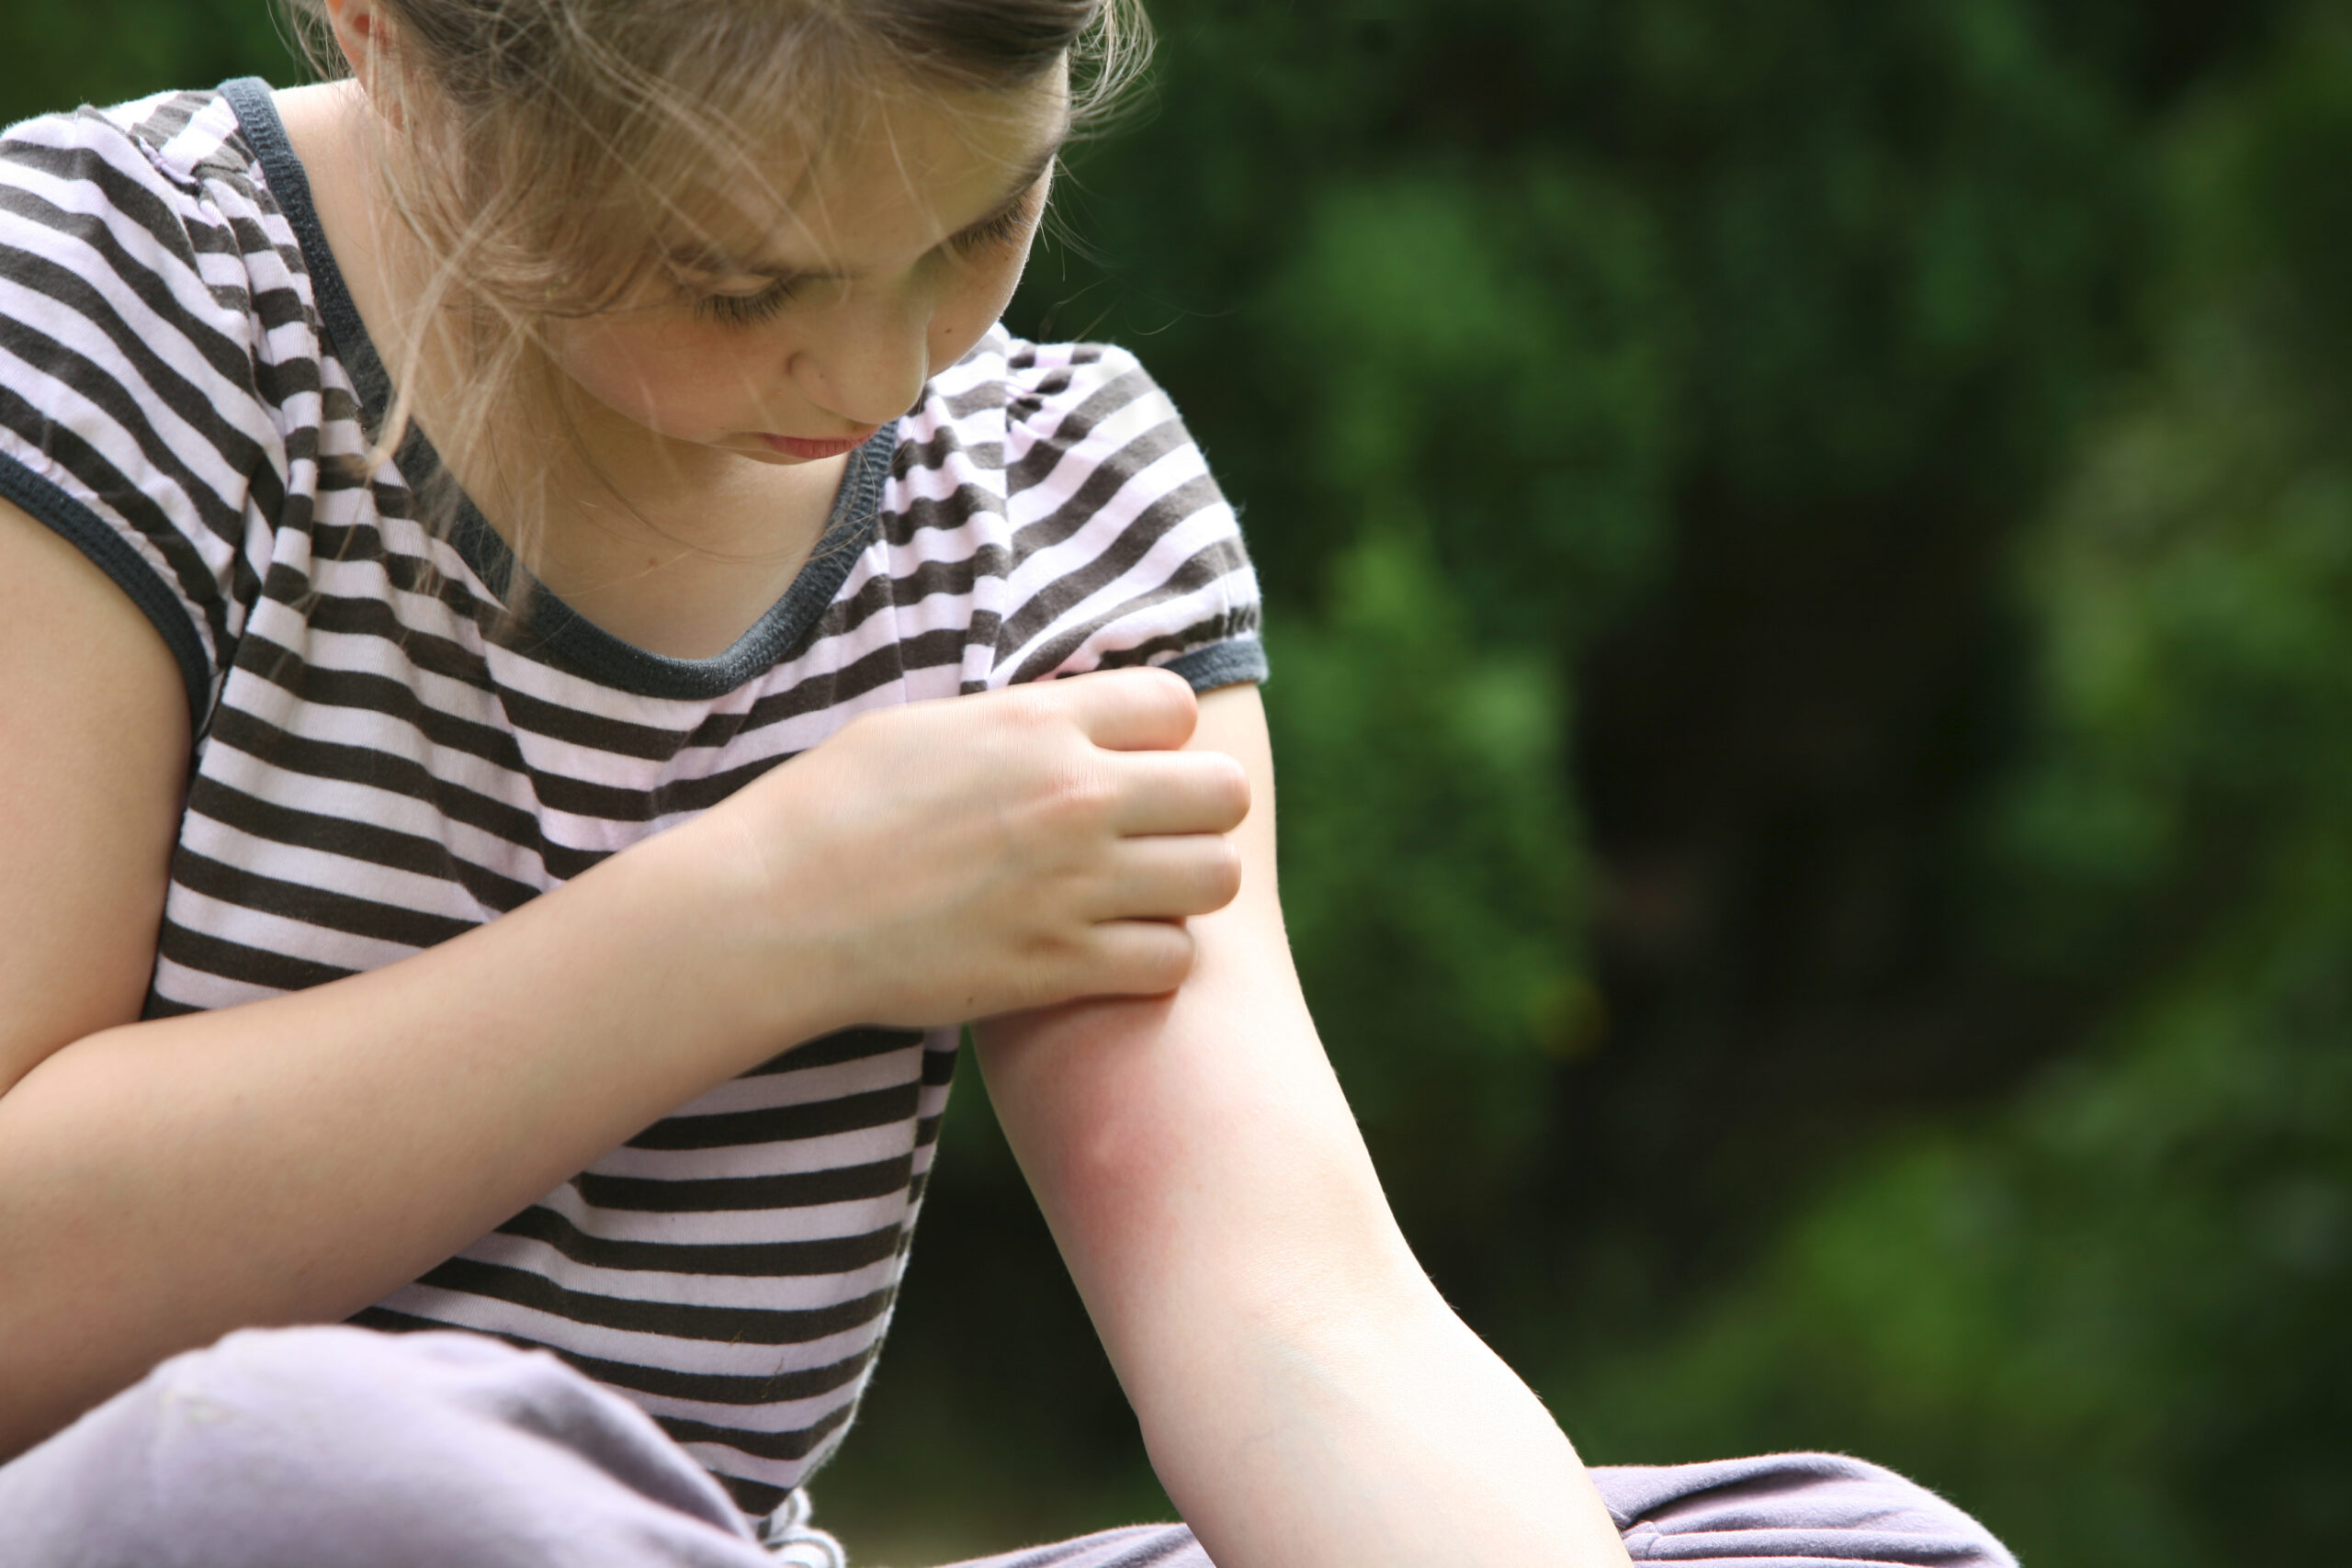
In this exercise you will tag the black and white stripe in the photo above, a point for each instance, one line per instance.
(386, 760)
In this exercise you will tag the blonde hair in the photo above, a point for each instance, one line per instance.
(544, 150)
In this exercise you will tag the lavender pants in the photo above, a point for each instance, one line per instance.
(332, 1447)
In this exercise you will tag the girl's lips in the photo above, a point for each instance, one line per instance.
(812, 451)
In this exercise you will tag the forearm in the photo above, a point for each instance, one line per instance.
(1306, 1397)
(1383, 1434)
(295, 1159)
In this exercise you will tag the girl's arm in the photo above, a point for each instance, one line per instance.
(295, 1159)
(1307, 1398)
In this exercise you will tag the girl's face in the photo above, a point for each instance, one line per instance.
(814, 313)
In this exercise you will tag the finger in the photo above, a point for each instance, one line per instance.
(1138, 958)
(1132, 710)
(1177, 792)
(1169, 878)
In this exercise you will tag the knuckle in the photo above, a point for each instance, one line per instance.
(1023, 699)
(1080, 796)
(1054, 955)
(1031, 708)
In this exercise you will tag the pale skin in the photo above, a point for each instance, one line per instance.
(1088, 864)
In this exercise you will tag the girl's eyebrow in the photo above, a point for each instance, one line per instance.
(717, 261)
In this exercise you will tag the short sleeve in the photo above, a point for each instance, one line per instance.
(130, 420)
(1124, 549)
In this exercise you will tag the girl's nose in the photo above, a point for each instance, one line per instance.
(869, 361)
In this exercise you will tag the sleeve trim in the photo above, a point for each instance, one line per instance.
(81, 528)
(1241, 662)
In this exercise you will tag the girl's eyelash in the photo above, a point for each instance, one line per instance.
(753, 310)
(747, 310)
(1003, 229)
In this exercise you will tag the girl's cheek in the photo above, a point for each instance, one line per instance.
(653, 376)
(967, 312)
(951, 339)
(600, 361)
(615, 380)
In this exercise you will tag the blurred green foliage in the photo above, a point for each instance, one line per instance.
(1810, 556)
(2129, 1278)
(1433, 875)
(2108, 1311)
(55, 56)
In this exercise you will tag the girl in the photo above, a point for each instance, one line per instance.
(486, 547)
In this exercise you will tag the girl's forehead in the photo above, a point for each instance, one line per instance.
(880, 170)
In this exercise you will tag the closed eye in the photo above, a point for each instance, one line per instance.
(748, 309)
(1006, 227)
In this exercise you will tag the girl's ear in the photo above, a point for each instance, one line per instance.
(365, 35)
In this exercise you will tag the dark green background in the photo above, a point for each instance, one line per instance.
(1810, 556)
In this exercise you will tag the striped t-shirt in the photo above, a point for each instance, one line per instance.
(384, 759)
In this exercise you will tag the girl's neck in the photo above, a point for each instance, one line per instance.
(677, 548)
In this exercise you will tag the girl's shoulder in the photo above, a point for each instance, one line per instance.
(1015, 417)
(1067, 469)
(149, 222)
(157, 353)
(1035, 387)
(177, 160)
